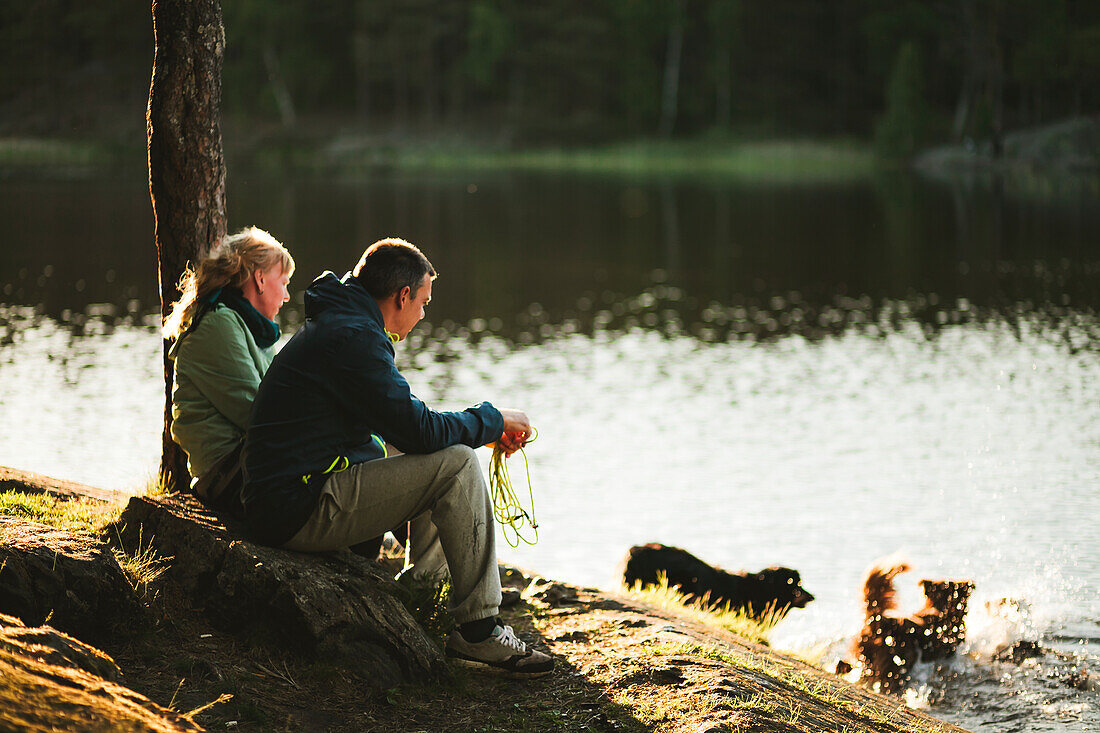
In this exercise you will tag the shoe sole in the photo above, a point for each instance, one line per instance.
(486, 668)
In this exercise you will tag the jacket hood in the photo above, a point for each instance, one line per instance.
(330, 293)
(174, 349)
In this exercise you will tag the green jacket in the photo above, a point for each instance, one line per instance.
(218, 368)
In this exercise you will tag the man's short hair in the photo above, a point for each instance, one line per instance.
(391, 264)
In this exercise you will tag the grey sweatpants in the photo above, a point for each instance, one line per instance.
(445, 498)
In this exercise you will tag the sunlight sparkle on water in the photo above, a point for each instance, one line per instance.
(976, 452)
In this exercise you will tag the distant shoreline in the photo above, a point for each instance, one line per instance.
(765, 160)
(1071, 146)
(1067, 148)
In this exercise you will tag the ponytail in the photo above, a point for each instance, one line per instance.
(231, 264)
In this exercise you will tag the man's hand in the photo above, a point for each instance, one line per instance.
(517, 430)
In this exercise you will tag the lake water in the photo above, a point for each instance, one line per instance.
(807, 376)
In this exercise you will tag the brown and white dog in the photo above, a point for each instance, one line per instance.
(772, 592)
(890, 643)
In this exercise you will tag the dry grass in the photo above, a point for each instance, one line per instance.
(736, 622)
(142, 566)
(222, 698)
(155, 485)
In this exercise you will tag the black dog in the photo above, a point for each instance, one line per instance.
(771, 592)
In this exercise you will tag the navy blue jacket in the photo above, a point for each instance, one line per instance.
(334, 392)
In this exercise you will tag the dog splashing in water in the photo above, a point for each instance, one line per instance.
(890, 643)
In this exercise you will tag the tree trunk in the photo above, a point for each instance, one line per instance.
(967, 23)
(996, 80)
(723, 97)
(361, 46)
(671, 88)
(279, 88)
(186, 167)
(962, 109)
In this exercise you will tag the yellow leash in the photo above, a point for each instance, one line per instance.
(507, 509)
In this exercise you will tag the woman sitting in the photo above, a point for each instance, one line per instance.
(225, 332)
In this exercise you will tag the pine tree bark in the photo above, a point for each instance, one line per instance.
(186, 165)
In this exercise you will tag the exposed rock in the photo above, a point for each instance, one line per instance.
(1018, 651)
(336, 605)
(550, 593)
(72, 579)
(1070, 145)
(54, 648)
(50, 681)
(513, 576)
(666, 675)
(12, 479)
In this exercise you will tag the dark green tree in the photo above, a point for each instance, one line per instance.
(1040, 62)
(674, 49)
(562, 71)
(723, 20)
(902, 127)
(639, 57)
(488, 38)
(1084, 68)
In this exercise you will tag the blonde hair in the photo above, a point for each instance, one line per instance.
(231, 264)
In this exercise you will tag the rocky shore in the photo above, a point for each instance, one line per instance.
(166, 619)
(1068, 147)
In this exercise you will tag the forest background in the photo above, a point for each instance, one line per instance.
(508, 73)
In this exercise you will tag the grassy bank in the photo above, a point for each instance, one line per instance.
(776, 160)
(765, 161)
(636, 662)
(320, 149)
(87, 516)
(65, 158)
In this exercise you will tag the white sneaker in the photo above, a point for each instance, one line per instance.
(502, 653)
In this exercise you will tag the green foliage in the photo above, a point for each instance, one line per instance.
(427, 603)
(1084, 54)
(902, 128)
(565, 72)
(62, 61)
(723, 20)
(640, 60)
(488, 39)
(890, 24)
(88, 516)
(1042, 56)
(303, 47)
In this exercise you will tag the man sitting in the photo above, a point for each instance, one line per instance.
(317, 476)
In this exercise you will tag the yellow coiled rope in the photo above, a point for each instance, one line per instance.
(507, 509)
